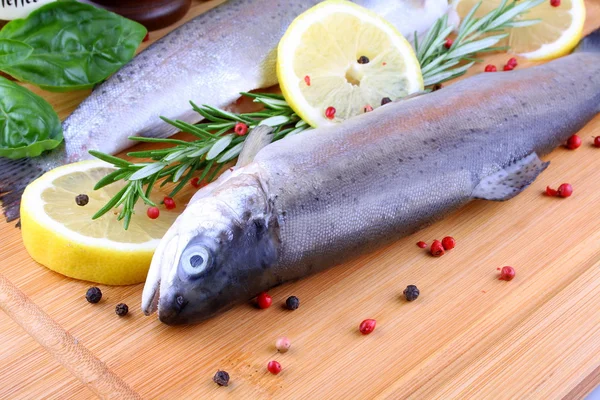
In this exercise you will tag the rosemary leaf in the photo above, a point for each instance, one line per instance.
(231, 153)
(180, 170)
(476, 46)
(158, 140)
(117, 162)
(446, 76)
(111, 203)
(219, 146)
(275, 121)
(147, 171)
(513, 12)
(110, 178)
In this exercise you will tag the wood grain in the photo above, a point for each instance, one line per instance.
(469, 335)
(64, 347)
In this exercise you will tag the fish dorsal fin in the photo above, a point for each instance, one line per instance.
(258, 138)
(512, 180)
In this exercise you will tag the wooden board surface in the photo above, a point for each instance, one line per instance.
(469, 335)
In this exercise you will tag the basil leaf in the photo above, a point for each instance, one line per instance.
(28, 124)
(75, 45)
(12, 52)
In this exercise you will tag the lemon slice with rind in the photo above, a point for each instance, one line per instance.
(558, 32)
(338, 54)
(61, 235)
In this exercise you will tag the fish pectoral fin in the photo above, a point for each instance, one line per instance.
(512, 180)
(258, 138)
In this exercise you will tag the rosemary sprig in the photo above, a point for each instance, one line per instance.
(213, 148)
(475, 35)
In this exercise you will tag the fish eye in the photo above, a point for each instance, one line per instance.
(195, 260)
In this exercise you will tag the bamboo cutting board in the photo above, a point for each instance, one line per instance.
(469, 335)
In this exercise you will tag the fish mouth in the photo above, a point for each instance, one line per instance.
(153, 306)
(162, 262)
(150, 296)
(170, 310)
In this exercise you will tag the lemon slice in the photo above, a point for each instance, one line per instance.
(61, 235)
(556, 35)
(318, 63)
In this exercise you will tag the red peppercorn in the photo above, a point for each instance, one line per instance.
(330, 113)
(508, 67)
(507, 274)
(147, 37)
(169, 203)
(283, 344)
(437, 249)
(565, 190)
(274, 367)
(153, 212)
(307, 80)
(449, 43)
(448, 243)
(195, 182)
(512, 62)
(551, 192)
(597, 141)
(555, 3)
(422, 244)
(367, 326)
(368, 108)
(574, 142)
(240, 129)
(490, 68)
(264, 300)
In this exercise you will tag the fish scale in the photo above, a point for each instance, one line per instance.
(315, 200)
(209, 60)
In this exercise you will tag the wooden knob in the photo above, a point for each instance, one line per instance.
(153, 14)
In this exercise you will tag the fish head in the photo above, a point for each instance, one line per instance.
(217, 254)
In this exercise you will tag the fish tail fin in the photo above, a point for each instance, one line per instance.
(15, 175)
(590, 43)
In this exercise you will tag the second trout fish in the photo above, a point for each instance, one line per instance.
(209, 60)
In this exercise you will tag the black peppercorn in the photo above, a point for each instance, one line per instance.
(385, 101)
(93, 295)
(363, 60)
(221, 378)
(121, 309)
(292, 303)
(411, 293)
(436, 87)
(82, 199)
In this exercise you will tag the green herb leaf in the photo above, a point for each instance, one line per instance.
(116, 161)
(119, 197)
(28, 124)
(219, 146)
(148, 170)
(275, 121)
(75, 45)
(231, 153)
(439, 65)
(12, 52)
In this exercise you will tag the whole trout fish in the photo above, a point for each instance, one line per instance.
(209, 60)
(314, 200)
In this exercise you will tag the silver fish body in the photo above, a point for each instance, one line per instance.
(209, 60)
(314, 200)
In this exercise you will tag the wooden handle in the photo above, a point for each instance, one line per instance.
(75, 357)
